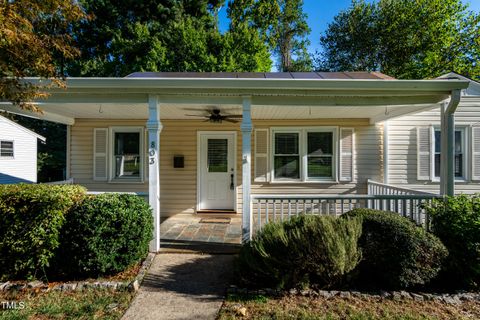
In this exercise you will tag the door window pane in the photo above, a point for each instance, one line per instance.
(127, 154)
(217, 155)
(6, 148)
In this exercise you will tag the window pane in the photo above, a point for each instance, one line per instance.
(437, 165)
(320, 143)
(320, 167)
(127, 154)
(6, 148)
(458, 142)
(286, 143)
(287, 167)
(438, 141)
(217, 157)
(459, 165)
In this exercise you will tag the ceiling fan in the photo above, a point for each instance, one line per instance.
(215, 115)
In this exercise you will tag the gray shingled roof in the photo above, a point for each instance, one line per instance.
(265, 75)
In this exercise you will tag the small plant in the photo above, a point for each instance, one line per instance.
(305, 250)
(396, 252)
(105, 234)
(31, 216)
(456, 221)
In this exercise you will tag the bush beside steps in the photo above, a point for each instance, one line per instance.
(54, 232)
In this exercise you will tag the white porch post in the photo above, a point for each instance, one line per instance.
(443, 154)
(448, 140)
(246, 128)
(154, 127)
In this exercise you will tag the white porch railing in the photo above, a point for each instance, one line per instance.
(274, 208)
(378, 188)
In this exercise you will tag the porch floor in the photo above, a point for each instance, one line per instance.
(188, 229)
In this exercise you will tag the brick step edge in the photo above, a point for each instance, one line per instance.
(39, 286)
(447, 298)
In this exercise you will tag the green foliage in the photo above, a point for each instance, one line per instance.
(396, 252)
(281, 24)
(304, 250)
(162, 35)
(409, 39)
(456, 221)
(31, 217)
(105, 234)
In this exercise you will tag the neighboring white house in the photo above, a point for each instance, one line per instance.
(18, 153)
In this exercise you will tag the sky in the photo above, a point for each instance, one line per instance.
(320, 13)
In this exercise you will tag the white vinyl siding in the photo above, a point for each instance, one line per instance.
(403, 152)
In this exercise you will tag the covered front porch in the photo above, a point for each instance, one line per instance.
(161, 105)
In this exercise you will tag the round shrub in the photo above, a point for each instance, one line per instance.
(456, 221)
(31, 216)
(396, 252)
(305, 250)
(105, 234)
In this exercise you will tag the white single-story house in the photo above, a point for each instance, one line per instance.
(265, 144)
(18, 153)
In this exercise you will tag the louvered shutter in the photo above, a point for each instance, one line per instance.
(424, 136)
(261, 155)
(346, 154)
(475, 153)
(100, 158)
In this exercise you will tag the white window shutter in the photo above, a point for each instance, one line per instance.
(261, 173)
(475, 153)
(424, 136)
(100, 154)
(346, 154)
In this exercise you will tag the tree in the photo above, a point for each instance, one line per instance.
(161, 35)
(281, 24)
(407, 39)
(33, 37)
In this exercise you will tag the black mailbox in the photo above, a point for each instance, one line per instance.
(178, 162)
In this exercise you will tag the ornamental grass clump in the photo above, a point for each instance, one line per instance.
(304, 251)
(397, 254)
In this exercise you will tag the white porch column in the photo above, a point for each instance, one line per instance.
(154, 127)
(447, 178)
(246, 128)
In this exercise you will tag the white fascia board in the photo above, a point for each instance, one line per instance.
(148, 84)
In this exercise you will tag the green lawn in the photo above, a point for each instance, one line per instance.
(342, 308)
(89, 304)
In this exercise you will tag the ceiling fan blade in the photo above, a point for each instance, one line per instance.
(195, 109)
(195, 115)
(230, 120)
(233, 116)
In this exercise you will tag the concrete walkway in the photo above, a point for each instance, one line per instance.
(182, 286)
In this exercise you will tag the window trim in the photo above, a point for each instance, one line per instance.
(13, 149)
(303, 153)
(465, 145)
(111, 153)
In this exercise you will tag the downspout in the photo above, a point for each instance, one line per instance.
(385, 152)
(449, 123)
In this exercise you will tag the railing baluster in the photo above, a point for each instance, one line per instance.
(266, 212)
(281, 210)
(274, 210)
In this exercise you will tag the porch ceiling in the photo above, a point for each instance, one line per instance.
(122, 98)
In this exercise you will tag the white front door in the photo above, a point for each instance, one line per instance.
(217, 171)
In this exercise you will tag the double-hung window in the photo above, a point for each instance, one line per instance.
(460, 157)
(304, 154)
(6, 149)
(127, 159)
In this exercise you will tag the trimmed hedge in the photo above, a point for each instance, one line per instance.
(31, 217)
(396, 252)
(105, 234)
(305, 250)
(456, 221)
